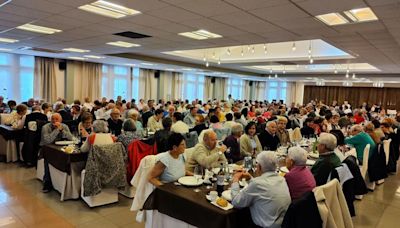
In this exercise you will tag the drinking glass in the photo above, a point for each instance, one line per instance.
(198, 174)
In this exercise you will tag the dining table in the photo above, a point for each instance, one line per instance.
(65, 169)
(189, 208)
(9, 140)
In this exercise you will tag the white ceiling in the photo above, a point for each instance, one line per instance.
(240, 22)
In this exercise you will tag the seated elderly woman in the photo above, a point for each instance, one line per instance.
(359, 139)
(299, 179)
(267, 195)
(85, 126)
(327, 158)
(282, 133)
(232, 143)
(170, 166)
(133, 114)
(369, 128)
(99, 136)
(17, 118)
(249, 143)
(129, 134)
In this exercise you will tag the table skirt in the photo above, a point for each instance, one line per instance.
(9, 149)
(156, 219)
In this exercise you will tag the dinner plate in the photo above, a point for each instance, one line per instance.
(150, 133)
(313, 155)
(230, 206)
(64, 143)
(190, 181)
(310, 162)
(284, 169)
(227, 195)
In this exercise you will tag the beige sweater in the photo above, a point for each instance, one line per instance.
(204, 157)
(245, 145)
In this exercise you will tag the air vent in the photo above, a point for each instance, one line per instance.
(132, 35)
(46, 50)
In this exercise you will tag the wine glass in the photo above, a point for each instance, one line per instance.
(198, 174)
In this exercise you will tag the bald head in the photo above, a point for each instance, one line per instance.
(56, 118)
(210, 139)
(271, 127)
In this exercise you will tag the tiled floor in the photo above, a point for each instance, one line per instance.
(22, 204)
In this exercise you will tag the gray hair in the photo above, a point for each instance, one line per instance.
(356, 127)
(329, 140)
(271, 122)
(236, 129)
(298, 155)
(129, 125)
(132, 112)
(100, 126)
(267, 160)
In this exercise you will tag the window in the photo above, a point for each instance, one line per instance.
(135, 83)
(276, 91)
(193, 86)
(235, 87)
(16, 76)
(116, 82)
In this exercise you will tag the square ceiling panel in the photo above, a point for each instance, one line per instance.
(173, 14)
(281, 12)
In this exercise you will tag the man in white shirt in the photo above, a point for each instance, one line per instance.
(155, 121)
(179, 126)
(267, 195)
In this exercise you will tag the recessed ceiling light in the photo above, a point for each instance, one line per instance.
(200, 35)
(332, 19)
(75, 50)
(77, 58)
(130, 64)
(5, 49)
(94, 56)
(147, 64)
(361, 15)
(7, 40)
(38, 29)
(123, 44)
(109, 9)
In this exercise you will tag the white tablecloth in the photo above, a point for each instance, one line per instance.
(155, 219)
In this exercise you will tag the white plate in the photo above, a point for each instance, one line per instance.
(190, 181)
(284, 169)
(150, 133)
(230, 206)
(313, 155)
(227, 195)
(64, 143)
(310, 162)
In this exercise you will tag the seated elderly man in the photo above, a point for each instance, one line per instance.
(268, 138)
(282, 133)
(52, 132)
(267, 195)
(327, 160)
(359, 139)
(299, 179)
(179, 126)
(206, 153)
(155, 122)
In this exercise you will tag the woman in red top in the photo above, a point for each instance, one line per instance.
(358, 118)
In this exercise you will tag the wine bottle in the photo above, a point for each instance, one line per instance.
(220, 180)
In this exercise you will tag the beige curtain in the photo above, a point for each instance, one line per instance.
(259, 90)
(219, 89)
(208, 88)
(87, 81)
(147, 84)
(171, 85)
(177, 86)
(246, 90)
(294, 92)
(45, 79)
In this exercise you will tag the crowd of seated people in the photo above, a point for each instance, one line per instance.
(254, 126)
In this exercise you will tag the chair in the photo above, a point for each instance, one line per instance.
(364, 168)
(191, 139)
(386, 148)
(290, 134)
(104, 174)
(188, 154)
(4, 117)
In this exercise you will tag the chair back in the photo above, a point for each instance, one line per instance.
(297, 134)
(188, 154)
(290, 131)
(364, 167)
(386, 148)
(4, 117)
(191, 139)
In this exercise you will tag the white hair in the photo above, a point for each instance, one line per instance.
(132, 112)
(270, 122)
(267, 160)
(298, 155)
(100, 126)
(356, 127)
(329, 140)
(236, 128)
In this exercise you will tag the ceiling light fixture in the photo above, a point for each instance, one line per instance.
(77, 58)
(269, 77)
(200, 35)
(361, 15)
(8, 40)
(347, 75)
(242, 53)
(332, 19)
(207, 64)
(253, 50)
(75, 50)
(276, 75)
(265, 49)
(219, 61)
(123, 44)
(311, 60)
(38, 29)
(109, 9)
(294, 46)
(228, 51)
(354, 76)
(95, 57)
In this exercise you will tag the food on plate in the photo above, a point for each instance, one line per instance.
(222, 202)
(69, 149)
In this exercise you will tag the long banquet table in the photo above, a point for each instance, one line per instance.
(184, 204)
(65, 170)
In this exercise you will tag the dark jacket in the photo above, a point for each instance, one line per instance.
(377, 164)
(199, 128)
(268, 141)
(307, 131)
(145, 117)
(324, 166)
(233, 144)
(115, 127)
(161, 139)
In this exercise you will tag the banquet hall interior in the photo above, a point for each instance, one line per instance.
(199, 113)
